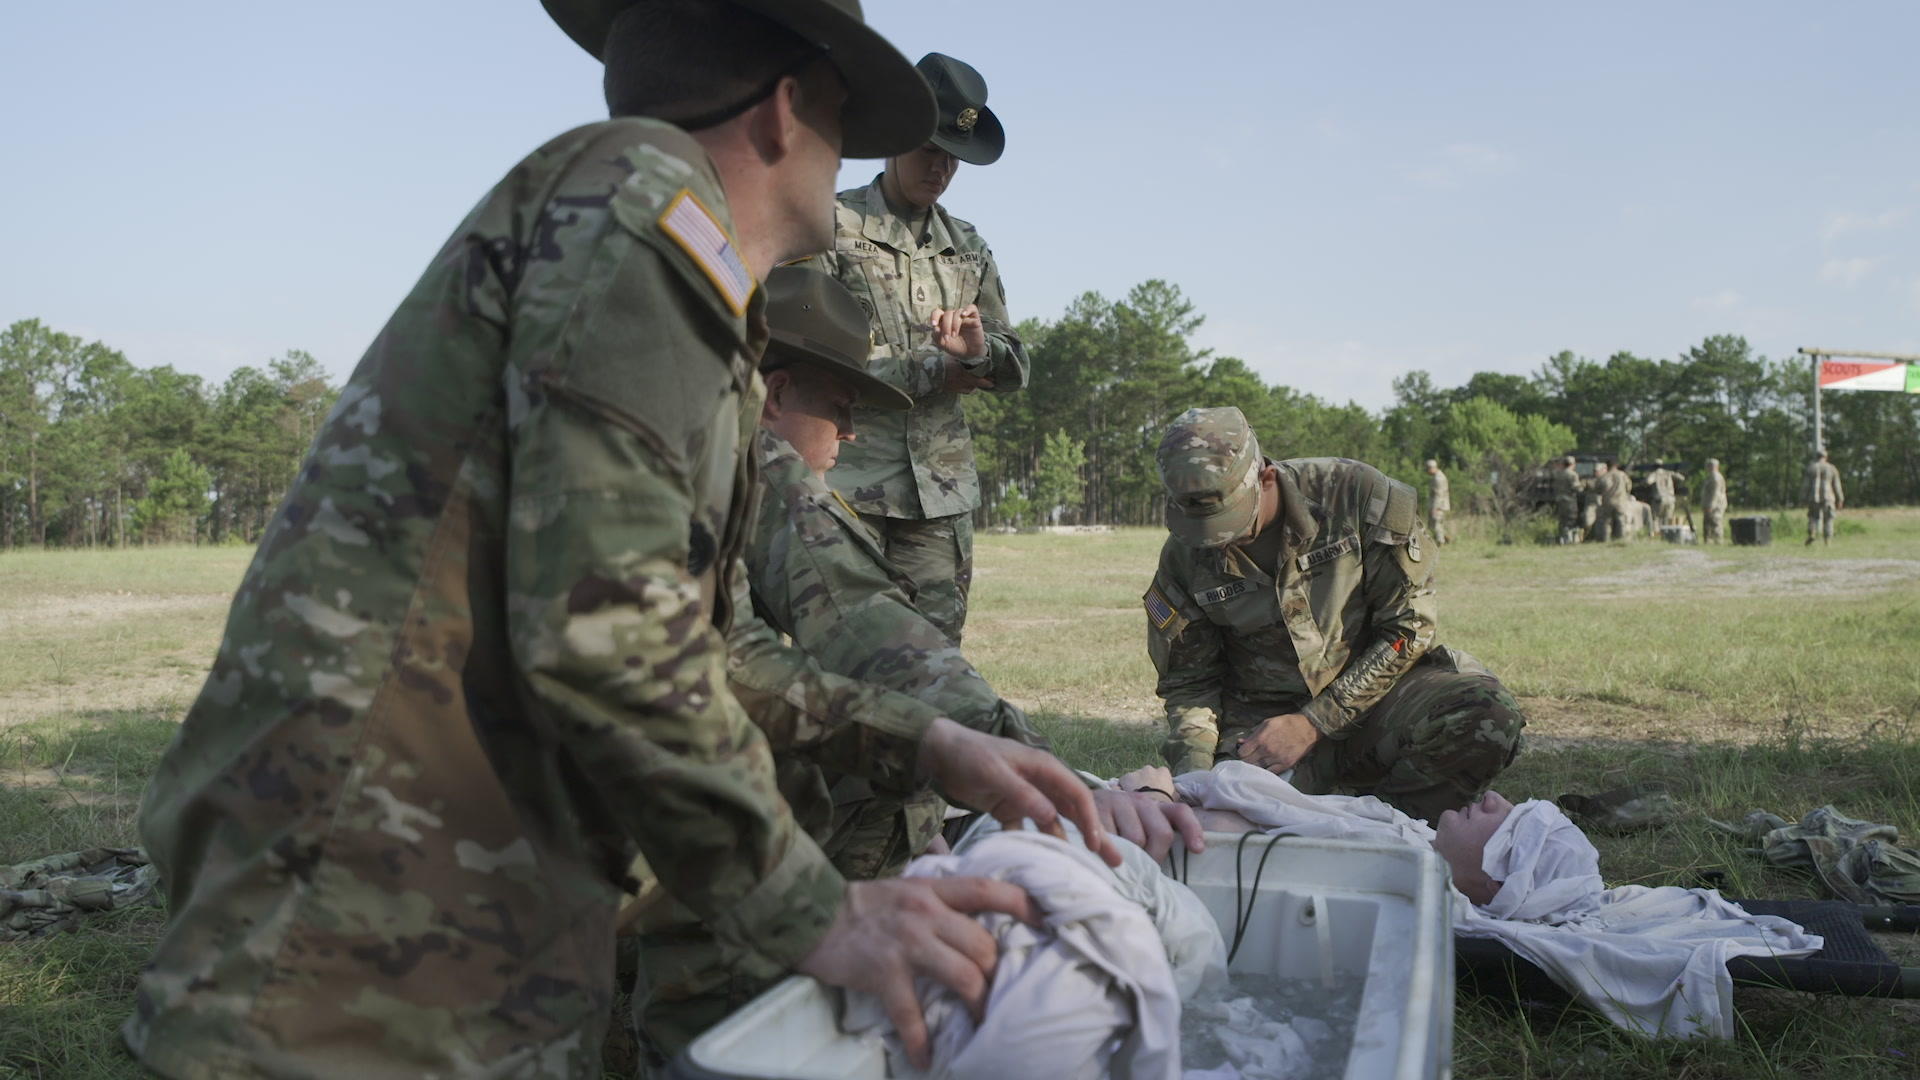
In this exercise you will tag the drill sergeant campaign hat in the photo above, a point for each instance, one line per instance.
(967, 129)
(889, 108)
(1210, 465)
(813, 321)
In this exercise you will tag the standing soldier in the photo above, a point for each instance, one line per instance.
(1824, 497)
(1617, 504)
(1591, 496)
(1439, 502)
(1660, 480)
(478, 664)
(1292, 623)
(940, 331)
(1713, 503)
(1566, 499)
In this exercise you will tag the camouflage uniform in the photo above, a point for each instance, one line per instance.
(1439, 504)
(818, 575)
(1661, 480)
(477, 664)
(1713, 503)
(1824, 496)
(1566, 502)
(911, 474)
(1617, 505)
(1345, 637)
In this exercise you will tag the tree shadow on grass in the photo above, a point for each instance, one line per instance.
(74, 781)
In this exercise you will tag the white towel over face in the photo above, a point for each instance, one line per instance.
(1650, 960)
(1089, 995)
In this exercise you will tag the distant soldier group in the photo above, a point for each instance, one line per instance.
(1602, 507)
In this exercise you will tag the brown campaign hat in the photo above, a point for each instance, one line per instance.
(1210, 465)
(889, 108)
(967, 128)
(813, 320)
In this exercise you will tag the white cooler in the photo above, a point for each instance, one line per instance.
(1323, 906)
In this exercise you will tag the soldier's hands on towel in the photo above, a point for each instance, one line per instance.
(1011, 781)
(1279, 742)
(888, 932)
(1150, 820)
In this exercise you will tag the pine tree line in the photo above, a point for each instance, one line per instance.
(97, 452)
(1109, 374)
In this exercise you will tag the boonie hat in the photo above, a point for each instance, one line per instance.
(1210, 465)
(967, 129)
(889, 108)
(813, 320)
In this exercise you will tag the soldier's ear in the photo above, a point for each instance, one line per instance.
(778, 383)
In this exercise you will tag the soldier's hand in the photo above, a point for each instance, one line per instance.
(960, 332)
(1158, 777)
(889, 932)
(1149, 821)
(1011, 781)
(958, 380)
(1279, 742)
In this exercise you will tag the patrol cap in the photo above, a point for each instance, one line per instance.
(1714, 461)
(1569, 460)
(889, 109)
(814, 321)
(1210, 465)
(967, 129)
(1431, 464)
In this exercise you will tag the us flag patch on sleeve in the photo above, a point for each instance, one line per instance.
(699, 234)
(1158, 610)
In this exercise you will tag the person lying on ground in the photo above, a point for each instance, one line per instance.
(1652, 960)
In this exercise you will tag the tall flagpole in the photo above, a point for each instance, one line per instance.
(1819, 442)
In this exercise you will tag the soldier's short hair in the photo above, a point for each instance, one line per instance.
(696, 62)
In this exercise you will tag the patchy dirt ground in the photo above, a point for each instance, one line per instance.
(1690, 569)
(33, 612)
(103, 650)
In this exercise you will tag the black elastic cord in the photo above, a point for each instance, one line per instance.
(1243, 917)
(728, 112)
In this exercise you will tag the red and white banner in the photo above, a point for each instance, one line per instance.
(1869, 375)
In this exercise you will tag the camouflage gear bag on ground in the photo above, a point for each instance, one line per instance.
(49, 894)
(1858, 861)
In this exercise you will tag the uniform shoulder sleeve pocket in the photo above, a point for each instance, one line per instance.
(1394, 506)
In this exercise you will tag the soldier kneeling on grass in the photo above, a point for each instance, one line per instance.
(1292, 623)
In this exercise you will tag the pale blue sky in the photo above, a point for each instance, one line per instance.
(1347, 191)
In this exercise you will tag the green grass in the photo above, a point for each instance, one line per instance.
(1777, 678)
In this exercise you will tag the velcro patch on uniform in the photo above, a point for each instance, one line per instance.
(1225, 592)
(1328, 553)
(1159, 612)
(691, 225)
(1401, 507)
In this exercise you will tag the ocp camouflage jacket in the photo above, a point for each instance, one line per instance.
(479, 660)
(917, 463)
(819, 575)
(1352, 611)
